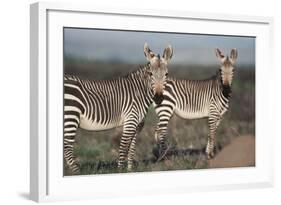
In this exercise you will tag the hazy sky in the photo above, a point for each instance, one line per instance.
(127, 46)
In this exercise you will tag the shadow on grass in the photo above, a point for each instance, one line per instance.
(112, 166)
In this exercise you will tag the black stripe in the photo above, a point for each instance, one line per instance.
(165, 105)
(75, 92)
(68, 102)
(226, 91)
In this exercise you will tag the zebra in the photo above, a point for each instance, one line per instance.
(195, 99)
(106, 104)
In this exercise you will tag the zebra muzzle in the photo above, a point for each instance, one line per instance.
(158, 98)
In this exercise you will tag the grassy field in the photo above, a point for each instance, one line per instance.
(98, 151)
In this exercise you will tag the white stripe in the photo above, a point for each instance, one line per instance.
(70, 129)
(72, 85)
(69, 134)
(164, 111)
(165, 118)
(72, 97)
(72, 108)
(68, 140)
(70, 123)
(166, 93)
(71, 117)
(82, 93)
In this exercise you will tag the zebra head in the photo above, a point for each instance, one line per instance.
(158, 70)
(227, 63)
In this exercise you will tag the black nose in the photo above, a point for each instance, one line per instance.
(158, 98)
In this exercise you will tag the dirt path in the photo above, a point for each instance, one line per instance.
(239, 153)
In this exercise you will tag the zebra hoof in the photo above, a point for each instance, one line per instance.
(130, 168)
(163, 156)
(160, 153)
(210, 155)
(156, 152)
(73, 167)
(121, 166)
(75, 170)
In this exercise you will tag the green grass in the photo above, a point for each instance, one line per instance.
(98, 151)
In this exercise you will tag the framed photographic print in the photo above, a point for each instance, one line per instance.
(147, 101)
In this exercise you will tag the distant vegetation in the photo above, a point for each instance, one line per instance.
(99, 150)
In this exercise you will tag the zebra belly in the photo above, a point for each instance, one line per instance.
(192, 115)
(96, 126)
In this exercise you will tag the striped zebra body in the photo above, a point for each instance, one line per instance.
(191, 100)
(106, 104)
(195, 99)
(102, 105)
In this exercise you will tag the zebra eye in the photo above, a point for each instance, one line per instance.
(166, 74)
(150, 73)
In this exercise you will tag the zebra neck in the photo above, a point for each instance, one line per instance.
(141, 77)
(225, 88)
(226, 91)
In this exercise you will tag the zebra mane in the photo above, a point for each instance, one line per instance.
(141, 72)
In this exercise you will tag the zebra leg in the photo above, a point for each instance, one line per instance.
(129, 131)
(164, 113)
(132, 148)
(131, 153)
(214, 121)
(161, 139)
(70, 127)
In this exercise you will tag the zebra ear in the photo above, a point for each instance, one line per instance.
(147, 52)
(168, 53)
(233, 55)
(219, 55)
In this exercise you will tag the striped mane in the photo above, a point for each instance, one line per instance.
(141, 72)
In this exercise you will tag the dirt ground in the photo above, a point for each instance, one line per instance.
(239, 153)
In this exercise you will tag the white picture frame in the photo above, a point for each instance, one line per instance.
(47, 182)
